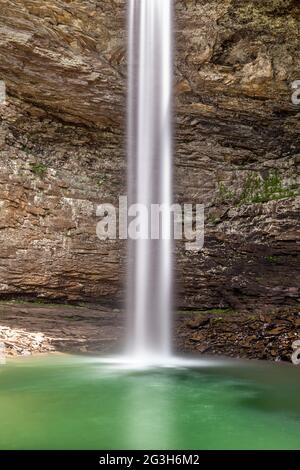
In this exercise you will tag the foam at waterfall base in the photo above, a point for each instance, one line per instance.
(148, 362)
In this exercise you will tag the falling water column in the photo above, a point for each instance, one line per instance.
(150, 175)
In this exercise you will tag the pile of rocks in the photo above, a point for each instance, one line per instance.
(16, 342)
(255, 336)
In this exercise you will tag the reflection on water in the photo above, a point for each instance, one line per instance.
(148, 414)
(79, 403)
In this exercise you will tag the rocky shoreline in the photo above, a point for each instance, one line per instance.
(30, 328)
(265, 335)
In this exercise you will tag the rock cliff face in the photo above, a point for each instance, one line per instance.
(62, 148)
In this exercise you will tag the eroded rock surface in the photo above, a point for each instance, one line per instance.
(62, 148)
(29, 329)
(269, 335)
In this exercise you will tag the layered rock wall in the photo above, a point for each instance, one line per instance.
(62, 148)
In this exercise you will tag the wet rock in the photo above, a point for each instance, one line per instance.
(241, 334)
(276, 331)
(196, 323)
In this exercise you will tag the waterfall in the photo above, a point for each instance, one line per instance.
(150, 176)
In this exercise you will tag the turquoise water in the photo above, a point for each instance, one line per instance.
(79, 403)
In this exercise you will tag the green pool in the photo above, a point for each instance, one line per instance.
(80, 403)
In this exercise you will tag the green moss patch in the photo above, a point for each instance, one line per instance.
(39, 169)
